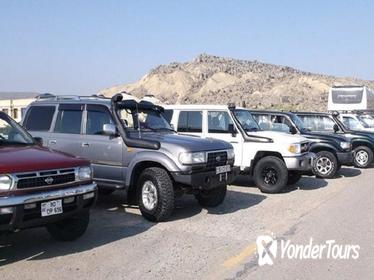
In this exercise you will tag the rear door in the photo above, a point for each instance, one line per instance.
(105, 152)
(67, 129)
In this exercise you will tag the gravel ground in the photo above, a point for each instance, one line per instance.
(204, 244)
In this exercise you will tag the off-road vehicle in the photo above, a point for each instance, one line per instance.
(362, 141)
(273, 159)
(42, 188)
(131, 146)
(332, 151)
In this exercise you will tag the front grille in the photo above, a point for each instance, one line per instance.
(216, 159)
(45, 178)
(305, 147)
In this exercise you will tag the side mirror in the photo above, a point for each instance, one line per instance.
(172, 126)
(109, 129)
(38, 141)
(293, 130)
(232, 130)
(336, 128)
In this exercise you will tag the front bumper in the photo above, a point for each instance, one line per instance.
(302, 163)
(15, 211)
(206, 180)
(345, 158)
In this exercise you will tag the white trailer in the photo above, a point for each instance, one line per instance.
(350, 99)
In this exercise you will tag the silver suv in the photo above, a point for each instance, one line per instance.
(131, 146)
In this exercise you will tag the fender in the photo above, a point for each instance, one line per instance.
(317, 145)
(150, 156)
(362, 142)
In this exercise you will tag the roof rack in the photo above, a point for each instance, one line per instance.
(49, 96)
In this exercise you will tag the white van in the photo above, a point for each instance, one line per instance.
(274, 159)
(350, 98)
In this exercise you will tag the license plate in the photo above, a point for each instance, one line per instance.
(223, 169)
(50, 208)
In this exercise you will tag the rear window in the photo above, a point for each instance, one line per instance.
(39, 118)
(69, 119)
(190, 121)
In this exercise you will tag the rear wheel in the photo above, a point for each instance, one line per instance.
(293, 177)
(270, 174)
(155, 194)
(325, 165)
(363, 157)
(213, 197)
(71, 228)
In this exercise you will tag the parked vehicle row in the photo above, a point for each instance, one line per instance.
(154, 154)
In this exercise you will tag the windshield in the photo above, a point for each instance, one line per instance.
(353, 123)
(368, 120)
(246, 120)
(12, 133)
(145, 120)
(299, 123)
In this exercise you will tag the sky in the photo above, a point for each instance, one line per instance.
(80, 47)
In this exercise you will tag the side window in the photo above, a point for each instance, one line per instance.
(39, 118)
(280, 123)
(190, 121)
(218, 122)
(97, 116)
(168, 115)
(263, 121)
(69, 119)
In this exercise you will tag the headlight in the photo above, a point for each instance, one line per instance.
(192, 158)
(230, 154)
(345, 145)
(84, 173)
(5, 183)
(294, 148)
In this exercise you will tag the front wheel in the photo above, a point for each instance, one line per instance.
(325, 165)
(293, 177)
(213, 197)
(155, 194)
(363, 157)
(70, 228)
(270, 174)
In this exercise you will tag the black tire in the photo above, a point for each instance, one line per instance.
(70, 228)
(293, 177)
(270, 174)
(164, 189)
(105, 191)
(363, 157)
(326, 165)
(213, 197)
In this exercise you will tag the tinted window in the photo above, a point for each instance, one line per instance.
(218, 122)
(190, 121)
(69, 121)
(318, 123)
(96, 120)
(39, 118)
(168, 115)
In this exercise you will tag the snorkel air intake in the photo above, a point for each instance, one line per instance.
(117, 103)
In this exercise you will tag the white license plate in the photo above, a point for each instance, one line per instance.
(50, 208)
(223, 169)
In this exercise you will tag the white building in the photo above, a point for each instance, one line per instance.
(15, 103)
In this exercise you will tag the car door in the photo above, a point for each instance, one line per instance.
(105, 152)
(217, 123)
(66, 133)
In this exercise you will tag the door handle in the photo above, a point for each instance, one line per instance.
(52, 142)
(85, 144)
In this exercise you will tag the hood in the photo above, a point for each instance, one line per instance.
(279, 136)
(325, 136)
(187, 142)
(16, 159)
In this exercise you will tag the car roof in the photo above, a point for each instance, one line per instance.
(199, 107)
(312, 113)
(54, 100)
(271, 112)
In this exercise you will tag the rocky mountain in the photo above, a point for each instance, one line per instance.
(217, 80)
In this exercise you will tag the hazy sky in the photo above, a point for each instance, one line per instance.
(83, 46)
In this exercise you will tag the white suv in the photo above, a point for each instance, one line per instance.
(274, 159)
(358, 121)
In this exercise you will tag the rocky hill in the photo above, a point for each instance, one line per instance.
(217, 80)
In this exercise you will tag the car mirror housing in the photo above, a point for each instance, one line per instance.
(336, 128)
(109, 129)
